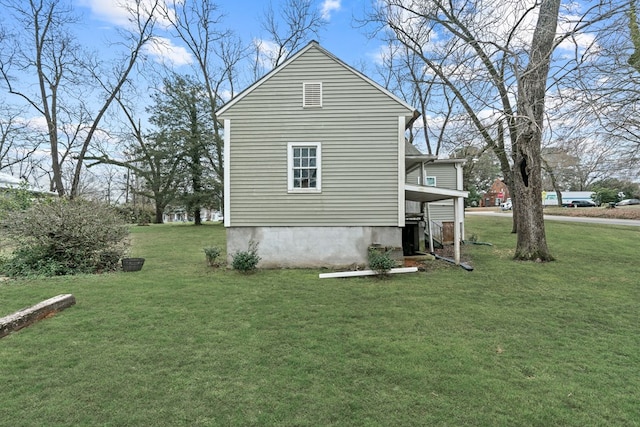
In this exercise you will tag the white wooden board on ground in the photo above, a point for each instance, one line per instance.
(367, 272)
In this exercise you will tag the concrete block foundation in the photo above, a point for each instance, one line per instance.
(309, 247)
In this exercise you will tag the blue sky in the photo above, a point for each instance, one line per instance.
(339, 36)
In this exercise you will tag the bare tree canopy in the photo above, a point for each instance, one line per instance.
(44, 48)
(17, 142)
(493, 58)
(527, 159)
(471, 67)
(598, 105)
(217, 52)
(290, 27)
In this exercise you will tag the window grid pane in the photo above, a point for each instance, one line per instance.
(304, 167)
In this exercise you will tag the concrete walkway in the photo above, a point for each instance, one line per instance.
(582, 219)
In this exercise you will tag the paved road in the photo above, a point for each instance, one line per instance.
(583, 219)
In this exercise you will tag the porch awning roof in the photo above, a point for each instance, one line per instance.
(422, 193)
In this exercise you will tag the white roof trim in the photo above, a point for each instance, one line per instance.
(311, 44)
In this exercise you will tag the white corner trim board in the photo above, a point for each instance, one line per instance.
(367, 272)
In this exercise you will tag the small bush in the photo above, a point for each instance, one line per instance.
(380, 262)
(32, 262)
(212, 253)
(58, 237)
(246, 261)
(132, 214)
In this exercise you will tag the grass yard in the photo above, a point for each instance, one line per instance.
(182, 344)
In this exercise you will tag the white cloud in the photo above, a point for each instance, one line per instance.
(163, 50)
(329, 6)
(268, 53)
(581, 41)
(225, 95)
(39, 123)
(380, 56)
(120, 12)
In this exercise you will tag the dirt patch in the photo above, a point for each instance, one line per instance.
(620, 212)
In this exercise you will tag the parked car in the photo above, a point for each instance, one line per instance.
(580, 204)
(506, 206)
(627, 202)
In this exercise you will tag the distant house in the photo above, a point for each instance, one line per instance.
(316, 166)
(180, 214)
(497, 194)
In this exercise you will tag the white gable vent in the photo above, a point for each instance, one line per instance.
(312, 94)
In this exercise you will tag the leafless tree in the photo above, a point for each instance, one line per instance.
(151, 161)
(217, 52)
(403, 73)
(45, 49)
(601, 102)
(295, 23)
(17, 141)
(528, 125)
(494, 58)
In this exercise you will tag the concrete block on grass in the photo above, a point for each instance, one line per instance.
(30, 315)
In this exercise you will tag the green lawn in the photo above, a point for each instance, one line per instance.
(182, 344)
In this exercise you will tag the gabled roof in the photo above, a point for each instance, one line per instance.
(315, 45)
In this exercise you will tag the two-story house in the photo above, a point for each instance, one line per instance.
(315, 165)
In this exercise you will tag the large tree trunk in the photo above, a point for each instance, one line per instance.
(527, 211)
(197, 217)
(527, 176)
(159, 212)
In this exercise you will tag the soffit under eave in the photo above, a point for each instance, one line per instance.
(421, 193)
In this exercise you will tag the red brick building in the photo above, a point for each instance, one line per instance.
(498, 193)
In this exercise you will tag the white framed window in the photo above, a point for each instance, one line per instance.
(430, 181)
(312, 94)
(304, 161)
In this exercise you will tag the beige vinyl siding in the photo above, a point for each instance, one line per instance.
(357, 127)
(412, 207)
(413, 177)
(441, 211)
(445, 174)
